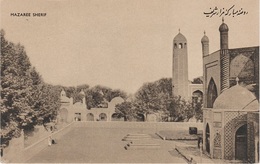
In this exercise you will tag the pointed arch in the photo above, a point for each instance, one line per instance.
(241, 143)
(212, 93)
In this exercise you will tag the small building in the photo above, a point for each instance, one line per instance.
(231, 127)
(78, 111)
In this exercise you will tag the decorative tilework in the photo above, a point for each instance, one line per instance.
(232, 121)
(224, 71)
(217, 140)
(250, 142)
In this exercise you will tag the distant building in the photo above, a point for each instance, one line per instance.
(181, 86)
(231, 106)
(78, 111)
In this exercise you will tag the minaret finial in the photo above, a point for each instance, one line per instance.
(222, 19)
(204, 32)
(237, 80)
(179, 30)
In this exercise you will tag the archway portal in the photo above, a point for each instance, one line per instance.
(241, 143)
(197, 96)
(116, 117)
(140, 118)
(212, 93)
(90, 117)
(102, 117)
(207, 139)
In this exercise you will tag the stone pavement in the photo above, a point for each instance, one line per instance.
(105, 145)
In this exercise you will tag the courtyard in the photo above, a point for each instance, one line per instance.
(101, 144)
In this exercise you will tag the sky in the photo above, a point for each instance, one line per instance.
(121, 43)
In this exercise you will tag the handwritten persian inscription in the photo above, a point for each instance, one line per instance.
(221, 12)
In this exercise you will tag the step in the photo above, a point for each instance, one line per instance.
(135, 139)
(142, 146)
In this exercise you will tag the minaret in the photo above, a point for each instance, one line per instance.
(223, 29)
(180, 67)
(205, 45)
(205, 52)
(224, 56)
(62, 93)
(84, 98)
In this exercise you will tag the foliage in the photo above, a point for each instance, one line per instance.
(153, 97)
(126, 110)
(156, 97)
(198, 80)
(180, 109)
(198, 111)
(98, 96)
(25, 99)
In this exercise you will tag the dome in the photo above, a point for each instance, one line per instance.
(180, 37)
(82, 92)
(236, 97)
(223, 27)
(204, 38)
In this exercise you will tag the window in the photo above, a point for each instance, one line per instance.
(180, 45)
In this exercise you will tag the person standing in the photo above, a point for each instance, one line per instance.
(49, 141)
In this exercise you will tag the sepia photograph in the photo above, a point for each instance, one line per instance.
(129, 81)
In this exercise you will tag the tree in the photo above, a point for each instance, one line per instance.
(25, 99)
(180, 109)
(15, 88)
(198, 80)
(126, 110)
(198, 111)
(98, 96)
(153, 97)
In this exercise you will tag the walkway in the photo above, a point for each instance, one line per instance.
(105, 145)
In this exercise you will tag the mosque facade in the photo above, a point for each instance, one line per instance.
(231, 105)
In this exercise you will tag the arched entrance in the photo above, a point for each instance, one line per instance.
(116, 117)
(77, 117)
(241, 143)
(197, 96)
(207, 139)
(90, 117)
(102, 117)
(140, 118)
(212, 93)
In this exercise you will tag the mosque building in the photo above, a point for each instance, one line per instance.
(231, 105)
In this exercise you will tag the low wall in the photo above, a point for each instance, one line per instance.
(157, 126)
(32, 150)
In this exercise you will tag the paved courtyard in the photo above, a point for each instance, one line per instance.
(105, 145)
